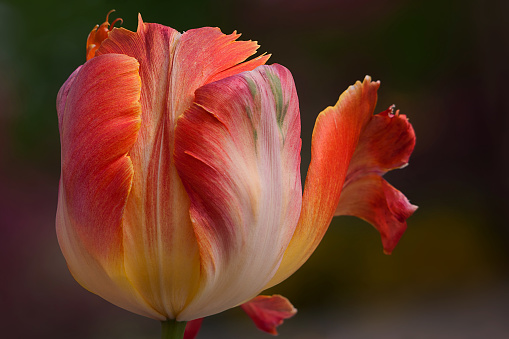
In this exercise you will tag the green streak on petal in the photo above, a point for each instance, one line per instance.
(252, 86)
(277, 91)
(255, 132)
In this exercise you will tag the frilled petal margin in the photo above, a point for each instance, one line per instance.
(237, 151)
(268, 312)
(386, 143)
(338, 132)
(99, 118)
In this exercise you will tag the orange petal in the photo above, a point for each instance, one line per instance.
(99, 118)
(162, 257)
(238, 154)
(268, 312)
(385, 143)
(335, 137)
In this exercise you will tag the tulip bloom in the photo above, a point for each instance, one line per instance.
(180, 193)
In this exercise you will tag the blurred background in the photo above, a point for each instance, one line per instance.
(443, 63)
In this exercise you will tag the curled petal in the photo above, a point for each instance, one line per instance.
(268, 312)
(238, 155)
(373, 199)
(385, 143)
(335, 137)
(99, 34)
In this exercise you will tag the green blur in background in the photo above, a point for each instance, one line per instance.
(443, 63)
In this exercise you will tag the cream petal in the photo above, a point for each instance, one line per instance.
(238, 154)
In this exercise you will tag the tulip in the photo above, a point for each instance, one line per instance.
(180, 193)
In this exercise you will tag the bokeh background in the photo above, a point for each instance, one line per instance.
(443, 63)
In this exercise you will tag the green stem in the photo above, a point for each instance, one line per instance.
(172, 329)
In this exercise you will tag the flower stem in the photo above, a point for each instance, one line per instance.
(172, 329)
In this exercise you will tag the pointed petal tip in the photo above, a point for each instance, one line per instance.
(368, 79)
(387, 252)
(140, 22)
(366, 85)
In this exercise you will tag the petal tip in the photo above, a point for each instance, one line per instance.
(140, 22)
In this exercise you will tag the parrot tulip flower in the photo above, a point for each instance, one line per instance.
(180, 193)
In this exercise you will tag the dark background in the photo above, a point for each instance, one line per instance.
(443, 63)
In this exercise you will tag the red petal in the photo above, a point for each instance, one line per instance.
(99, 114)
(269, 312)
(99, 118)
(192, 328)
(371, 198)
(385, 143)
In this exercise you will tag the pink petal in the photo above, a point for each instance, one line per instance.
(238, 154)
(385, 143)
(268, 312)
(162, 257)
(192, 328)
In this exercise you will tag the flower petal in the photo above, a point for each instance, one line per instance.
(237, 150)
(162, 257)
(373, 199)
(268, 312)
(335, 137)
(99, 118)
(385, 143)
(192, 328)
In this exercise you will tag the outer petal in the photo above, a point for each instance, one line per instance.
(162, 258)
(99, 117)
(269, 312)
(386, 143)
(238, 154)
(335, 137)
